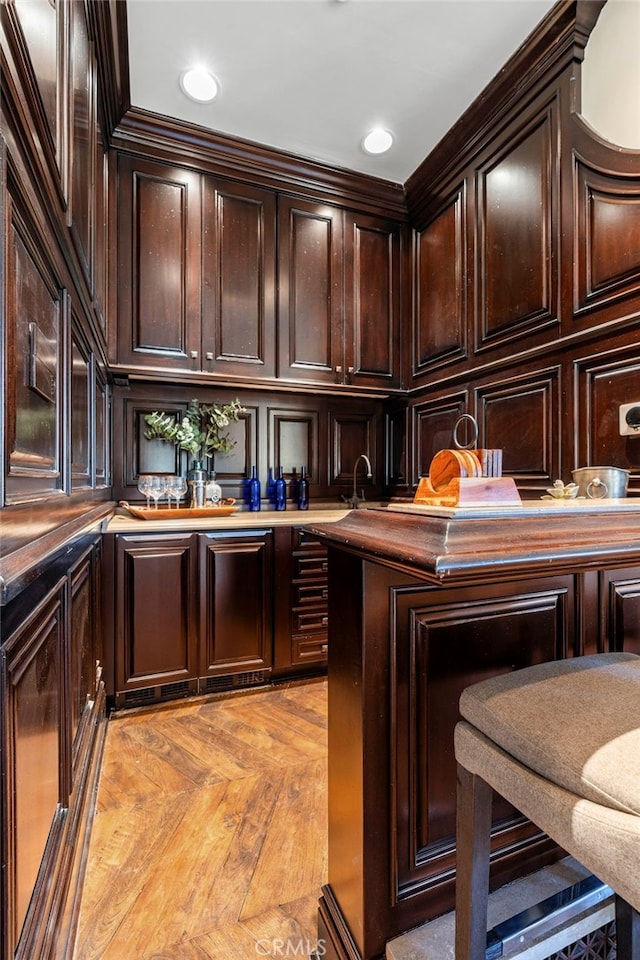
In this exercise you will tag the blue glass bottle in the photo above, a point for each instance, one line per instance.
(246, 490)
(303, 490)
(281, 491)
(271, 488)
(254, 490)
(293, 486)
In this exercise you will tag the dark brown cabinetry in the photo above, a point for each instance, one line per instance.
(339, 282)
(194, 613)
(156, 619)
(340, 296)
(159, 265)
(309, 606)
(238, 280)
(301, 602)
(310, 284)
(373, 301)
(419, 608)
(196, 272)
(236, 611)
(51, 726)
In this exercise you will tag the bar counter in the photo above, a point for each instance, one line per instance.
(423, 602)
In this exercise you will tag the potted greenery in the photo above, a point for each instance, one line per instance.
(201, 432)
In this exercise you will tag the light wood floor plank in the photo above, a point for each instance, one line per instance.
(210, 840)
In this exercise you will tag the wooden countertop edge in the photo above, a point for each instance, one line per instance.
(243, 520)
(444, 549)
(22, 565)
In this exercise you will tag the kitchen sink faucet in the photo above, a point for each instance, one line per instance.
(354, 500)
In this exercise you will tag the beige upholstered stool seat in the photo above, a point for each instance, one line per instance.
(561, 742)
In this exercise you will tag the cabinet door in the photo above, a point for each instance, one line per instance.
(159, 226)
(310, 304)
(373, 287)
(236, 603)
(620, 609)
(156, 631)
(238, 282)
(32, 763)
(82, 649)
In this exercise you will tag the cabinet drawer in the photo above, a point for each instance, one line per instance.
(309, 649)
(310, 593)
(304, 540)
(310, 620)
(311, 566)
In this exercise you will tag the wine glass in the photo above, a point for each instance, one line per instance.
(157, 489)
(168, 489)
(178, 488)
(144, 486)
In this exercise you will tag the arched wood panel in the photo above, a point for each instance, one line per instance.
(607, 249)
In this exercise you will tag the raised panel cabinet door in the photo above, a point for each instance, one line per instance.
(373, 298)
(156, 628)
(82, 416)
(310, 292)
(159, 256)
(82, 647)
(238, 281)
(83, 133)
(440, 301)
(516, 246)
(32, 764)
(445, 641)
(236, 602)
(620, 613)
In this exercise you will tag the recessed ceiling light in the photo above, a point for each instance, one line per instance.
(377, 140)
(199, 84)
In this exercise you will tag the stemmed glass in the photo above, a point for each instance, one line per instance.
(157, 489)
(178, 488)
(144, 486)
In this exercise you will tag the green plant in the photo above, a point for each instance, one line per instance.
(201, 429)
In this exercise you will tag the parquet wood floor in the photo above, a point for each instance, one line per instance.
(209, 841)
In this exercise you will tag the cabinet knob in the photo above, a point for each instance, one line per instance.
(209, 355)
(325, 621)
(338, 369)
(194, 354)
(324, 647)
(350, 369)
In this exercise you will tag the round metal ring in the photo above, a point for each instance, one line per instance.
(474, 441)
(597, 484)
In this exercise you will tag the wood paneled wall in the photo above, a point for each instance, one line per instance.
(325, 434)
(526, 276)
(55, 393)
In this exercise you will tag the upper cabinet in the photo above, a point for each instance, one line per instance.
(230, 280)
(373, 300)
(486, 260)
(159, 265)
(310, 284)
(238, 280)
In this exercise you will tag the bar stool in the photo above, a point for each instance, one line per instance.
(561, 742)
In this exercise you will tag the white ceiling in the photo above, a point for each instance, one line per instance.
(311, 77)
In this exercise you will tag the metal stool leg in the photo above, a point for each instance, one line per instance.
(472, 865)
(627, 931)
